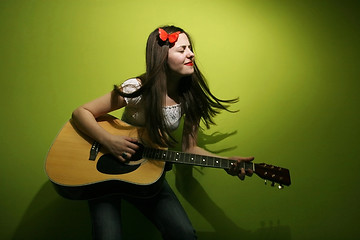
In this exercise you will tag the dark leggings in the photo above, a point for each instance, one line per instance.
(164, 210)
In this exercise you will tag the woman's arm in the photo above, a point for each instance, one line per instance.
(189, 144)
(85, 116)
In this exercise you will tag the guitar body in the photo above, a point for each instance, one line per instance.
(75, 176)
(80, 169)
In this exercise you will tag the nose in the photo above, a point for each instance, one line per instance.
(190, 54)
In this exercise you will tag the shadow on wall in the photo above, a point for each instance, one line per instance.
(224, 228)
(195, 194)
(50, 216)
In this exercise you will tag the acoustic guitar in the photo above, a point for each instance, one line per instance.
(80, 169)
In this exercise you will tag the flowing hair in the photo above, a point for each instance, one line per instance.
(197, 101)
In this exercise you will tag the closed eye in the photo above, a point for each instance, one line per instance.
(181, 49)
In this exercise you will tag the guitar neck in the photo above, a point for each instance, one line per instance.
(192, 159)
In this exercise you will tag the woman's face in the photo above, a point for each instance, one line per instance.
(181, 57)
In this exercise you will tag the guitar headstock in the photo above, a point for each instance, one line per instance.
(273, 173)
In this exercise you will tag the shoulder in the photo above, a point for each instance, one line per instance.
(130, 86)
(132, 83)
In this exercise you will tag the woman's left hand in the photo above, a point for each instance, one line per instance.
(236, 170)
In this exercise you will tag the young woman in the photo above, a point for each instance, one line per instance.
(172, 87)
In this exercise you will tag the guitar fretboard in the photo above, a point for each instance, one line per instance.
(191, 159)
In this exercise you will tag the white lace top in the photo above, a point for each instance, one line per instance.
(134, 113)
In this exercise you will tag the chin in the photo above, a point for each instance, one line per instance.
(187, 73)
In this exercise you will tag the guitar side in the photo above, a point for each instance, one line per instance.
(76, 177)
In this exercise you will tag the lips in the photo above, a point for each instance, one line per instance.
(189, 64)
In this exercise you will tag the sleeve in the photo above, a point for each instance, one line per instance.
(130, 86)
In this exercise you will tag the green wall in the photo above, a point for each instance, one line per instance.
(294, 65)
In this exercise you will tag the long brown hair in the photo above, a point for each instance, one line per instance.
(197, 101)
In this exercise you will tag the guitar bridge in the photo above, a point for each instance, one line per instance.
(94, 151)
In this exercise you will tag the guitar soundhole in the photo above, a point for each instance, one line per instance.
(108, 164)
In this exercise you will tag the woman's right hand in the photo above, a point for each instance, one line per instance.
(84, 117)
(122, 147)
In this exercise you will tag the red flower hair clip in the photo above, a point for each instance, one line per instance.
(173, 37)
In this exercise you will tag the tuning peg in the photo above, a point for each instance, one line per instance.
(273, 184)
(265, 182)
(280, 186)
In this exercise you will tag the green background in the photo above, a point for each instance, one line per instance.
(293, 64)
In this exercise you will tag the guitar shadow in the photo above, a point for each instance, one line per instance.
(50, 216)
(224, 227)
